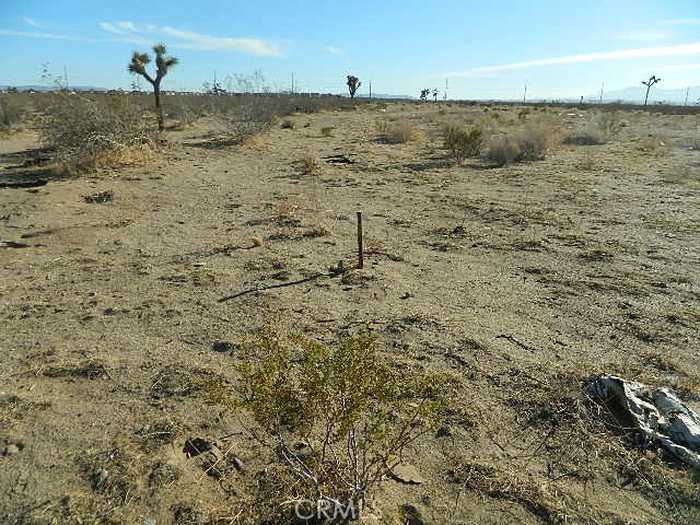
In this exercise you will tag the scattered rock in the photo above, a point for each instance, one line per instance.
(13, 244)
(223, 346)
(444, 431)
(406, 295)
(196, 446)
(99, 198)
(238, 464)
(406, 473)
(411, 515)
(99, 478)
(12, 449)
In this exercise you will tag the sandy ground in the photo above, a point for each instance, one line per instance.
(524, 281)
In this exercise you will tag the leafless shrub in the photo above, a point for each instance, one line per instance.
(10, 112)
(526, 145)
(83, 129)
(397, 132)
(310, 164)
(502, 150)
(588, 136)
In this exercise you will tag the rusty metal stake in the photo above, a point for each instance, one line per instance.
(360, 247)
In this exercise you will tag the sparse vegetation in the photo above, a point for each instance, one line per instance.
(462, 142)
(338, 418)
(527, 145)
(84, 131)
(10, 113)
(398, 131)
(327, 131)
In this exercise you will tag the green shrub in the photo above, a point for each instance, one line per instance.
(338, 418)
(462, 142)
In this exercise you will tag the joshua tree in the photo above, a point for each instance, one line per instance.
(648, 83)
(163, 64)
(435, 94)
(424, 94)
(353, 85)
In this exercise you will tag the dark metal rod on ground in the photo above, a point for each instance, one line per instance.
(360, 248)
(271, 287)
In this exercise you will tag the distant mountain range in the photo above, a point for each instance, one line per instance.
(36, 87)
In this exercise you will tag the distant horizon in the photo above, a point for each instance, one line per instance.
(469, 49)
(657, 95)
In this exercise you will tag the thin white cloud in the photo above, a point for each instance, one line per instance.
(50, 36)
(644, 36)
(333, 50)
(190, 39)
(625, 54)
(31, 22)
(680, 67)
(684, 22)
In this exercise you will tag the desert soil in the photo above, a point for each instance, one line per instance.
(523, 282)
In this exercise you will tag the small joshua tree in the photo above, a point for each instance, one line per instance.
(163, 65)
(435, 94)
(424, 94)
(353, 85)
(653, 79)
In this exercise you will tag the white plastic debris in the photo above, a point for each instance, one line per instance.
(656, 412)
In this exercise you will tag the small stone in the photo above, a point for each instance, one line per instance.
(444, 431)
(11, 450)
(238, 464)
(406, 473)
(223, 346)
(406, 295)
(100, 478)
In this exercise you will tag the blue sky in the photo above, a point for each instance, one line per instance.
(485, 49)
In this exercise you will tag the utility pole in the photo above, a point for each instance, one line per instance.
(292, 92)
(525, 93)
(370, 89)
(445, 90)
(687, 90)
(602, 88)
(65, 79)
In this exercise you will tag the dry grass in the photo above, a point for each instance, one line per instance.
(398, 132)
(529, 144)
(310, 165)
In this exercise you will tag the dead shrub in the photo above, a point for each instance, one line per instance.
(588, 136)
(502, 150)
(527, 145)
(310, 164)
(533, 143)
(462, 142)
(398, 132)
(10, 113)
(327, 131)
(87, 131)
